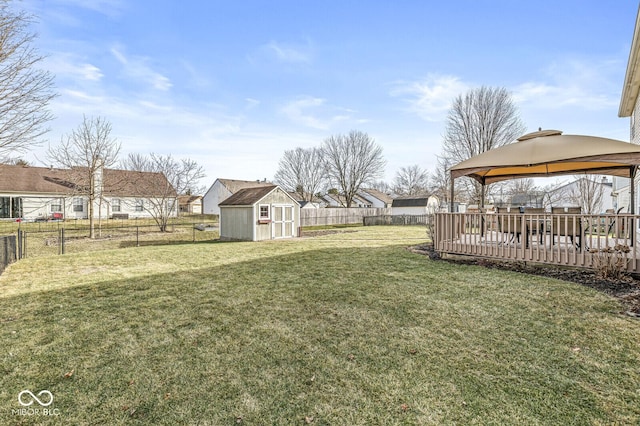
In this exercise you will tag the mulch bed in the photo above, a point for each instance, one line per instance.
(627, 290)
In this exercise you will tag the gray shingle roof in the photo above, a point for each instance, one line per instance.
(410, 202)
(248, 196)
(234, 185)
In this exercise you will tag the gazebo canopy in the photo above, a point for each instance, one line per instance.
(548, 153)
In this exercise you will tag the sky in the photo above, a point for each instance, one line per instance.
(233, 84)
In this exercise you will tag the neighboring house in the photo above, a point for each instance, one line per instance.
(190, 204)
(593, 195)
(334, 200)
(35, 193)
(223, 189)
(630, 107)
(415, 205)
(259, 213)
(316, 203)
(377, 198)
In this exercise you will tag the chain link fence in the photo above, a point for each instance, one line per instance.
(61, 239)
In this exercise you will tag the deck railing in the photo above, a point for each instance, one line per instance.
(563, 239)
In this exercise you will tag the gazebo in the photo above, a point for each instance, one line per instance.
(545, 237)
(548, 153)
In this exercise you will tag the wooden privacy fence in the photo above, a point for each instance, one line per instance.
(561, 239)
(338, 215)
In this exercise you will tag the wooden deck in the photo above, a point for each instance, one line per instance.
(560, 239)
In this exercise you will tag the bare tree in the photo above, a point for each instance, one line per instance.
(302, 171)
(25, 91)
(160, 180)
(478, 121)
(351, 161)
(84, 155)
(440, 183)
(381, 186)
(587, 192)
(411, 180)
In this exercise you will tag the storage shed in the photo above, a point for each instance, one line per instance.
(260, 213)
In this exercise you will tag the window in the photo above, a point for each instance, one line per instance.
(115, 205)
(78, 205)
(264, 212)
(56, 206)
(139, 205)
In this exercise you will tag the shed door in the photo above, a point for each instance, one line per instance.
(283, 223)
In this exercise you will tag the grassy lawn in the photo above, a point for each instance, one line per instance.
(342, 329)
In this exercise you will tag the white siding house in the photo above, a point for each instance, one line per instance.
(259, 213)
(223, 189)
(630, 107)
(41, 193)
(377, 199)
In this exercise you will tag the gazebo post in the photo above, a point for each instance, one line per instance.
(481, 208)
(451, 178)
(632, 196)
(632, 186)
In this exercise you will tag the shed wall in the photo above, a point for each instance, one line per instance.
(236, 223)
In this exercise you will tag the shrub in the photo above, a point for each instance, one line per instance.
(611, 262)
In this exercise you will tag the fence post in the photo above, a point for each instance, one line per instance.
(62, 240)
(194, 232)
(137, 236)
(19, 251)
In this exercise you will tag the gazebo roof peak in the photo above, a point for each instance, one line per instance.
(539, 133)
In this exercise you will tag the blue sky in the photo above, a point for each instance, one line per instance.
(233, 84)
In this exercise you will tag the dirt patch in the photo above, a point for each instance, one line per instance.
(627, 290)
(321, 232)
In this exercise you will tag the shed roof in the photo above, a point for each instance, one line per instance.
(248, 196)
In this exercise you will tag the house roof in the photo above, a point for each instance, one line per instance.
(234, 185)
(631, 84)
(44, 180)
(410, 202)
(248, 196)
(385, 198)
(188, 199)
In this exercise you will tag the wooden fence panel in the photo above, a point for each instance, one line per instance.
(338, 216)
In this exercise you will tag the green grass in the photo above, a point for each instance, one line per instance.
(346, 328)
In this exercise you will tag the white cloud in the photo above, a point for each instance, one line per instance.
(68, 66)
(316, 113)
(288, 53)
(297, 111)
(105, 7)
(137, 68)
(251, 103)
(430, 98)
(572, 83)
